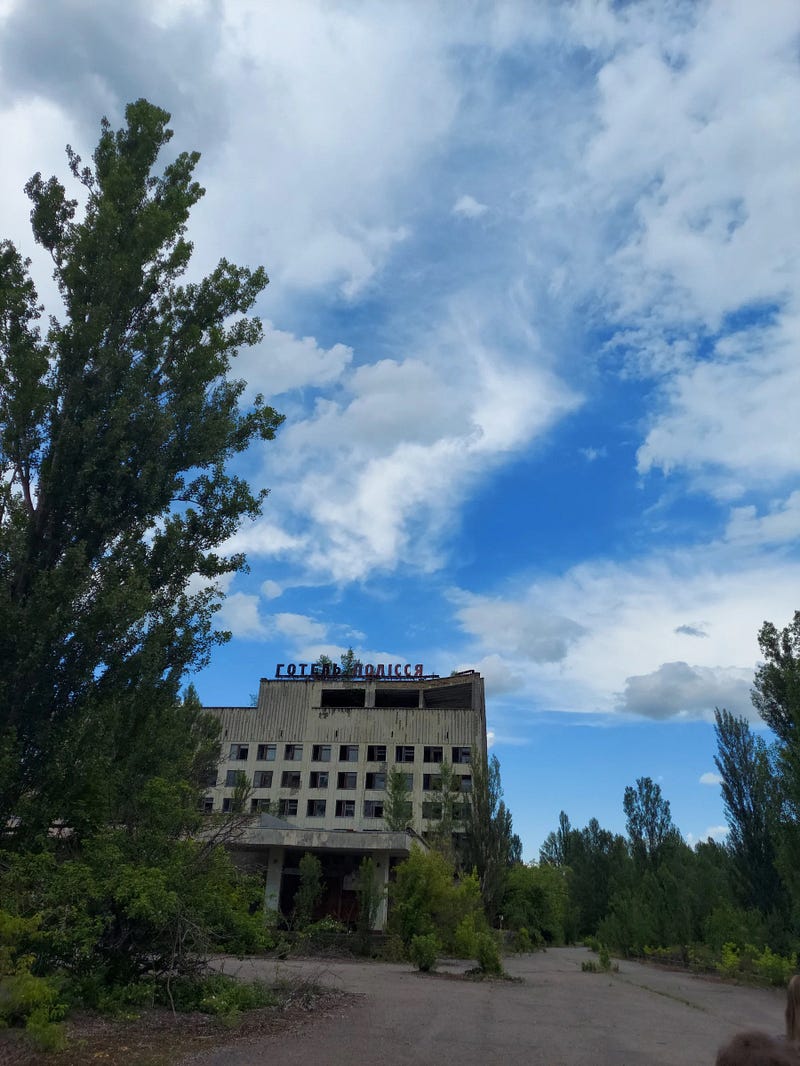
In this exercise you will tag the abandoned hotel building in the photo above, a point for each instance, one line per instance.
(317, 749)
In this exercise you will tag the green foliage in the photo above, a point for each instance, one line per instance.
(536, 897)
(426, 899)
(116, 425)
(309, 891)
(488, 954)
(490, 845)
(27, 999)
(424, 950)
(397, 805)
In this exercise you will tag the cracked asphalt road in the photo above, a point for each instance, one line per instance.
(557, 1015)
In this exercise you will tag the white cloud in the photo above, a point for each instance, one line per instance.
(282, 362)
(781, 525)
(710, 778)
(591, 455)
(298, 627)
(715, 832)
(468, 207)
(240, 614)
(271, 590)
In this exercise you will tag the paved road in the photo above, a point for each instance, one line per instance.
(557, 1016)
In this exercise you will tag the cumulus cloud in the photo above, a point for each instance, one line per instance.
(710, 778)
(468, 207)
(679, 690)
(240, 614)
(282, 362)
(780, 525)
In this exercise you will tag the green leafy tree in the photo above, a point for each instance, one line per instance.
(649, 821)
(776, 697)
(397, 806)
(489, 844)
(117, 422)
(309, 890)
(750, 798)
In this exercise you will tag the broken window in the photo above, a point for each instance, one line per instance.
(346, 780)
(404, 753)
(207, 805)
(318, 779)
(348, 753)
(342, 697)
(432, 755)
(461, 755)
(262, 779)
(315, 808)
(377, 780)
(290, 779)
(373, 808)
(266, 752)
(345, 808)
(466, 783)
(258, 806)
(239, 752)
(431, 782)
(376, 753)
(293, 752)
(397, 696)
(287, 808)
(321, 753)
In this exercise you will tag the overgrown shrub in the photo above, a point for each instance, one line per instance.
(27, 1000)
(488, 954)
(424, 951)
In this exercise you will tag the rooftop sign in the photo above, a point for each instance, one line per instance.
(357, 672)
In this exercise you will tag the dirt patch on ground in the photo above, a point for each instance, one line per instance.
(158, 1037)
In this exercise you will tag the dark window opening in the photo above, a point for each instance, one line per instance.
(404, 753)
(432, 810)
(290, 779)
(397, 696)
(462, 756)
(262, 779)
(345, 808)
(287, 808)
(431, 782)
(321, 753)
(376, 753)
(346, 780)
(266, 752)
(318, 779)
(373, 808)
(348, 753)
(315, 809)
(342, 697)
(259, 805)
(447, 696)
(293, 752)
(433, 755)
(234, 778)
(239, 752)
(376, 780)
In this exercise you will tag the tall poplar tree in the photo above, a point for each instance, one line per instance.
(118, 419)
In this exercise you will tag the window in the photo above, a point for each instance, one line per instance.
(432, 755)
(239, 752)
(262, 779)
(346, 780)
(315, 809)
(234, 778)
(287, 808)
(409, 782)
(293, 752)
(290, 779)
(318, 779)
(321, 753)
(373, 808)
(231, 806)
(345, 808)
(466, 783)
(432, 810)
(461, 755)
(348, 753)
(258, 805)
(376, 780)
(431, 782)
(404, 753)
(376, 753)
(207, 806)
(266, 752)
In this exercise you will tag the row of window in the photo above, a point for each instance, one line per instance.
(347, 753)
(317, 808)
(345, 780)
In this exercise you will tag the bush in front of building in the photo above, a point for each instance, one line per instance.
(424, 952)
(426, 898)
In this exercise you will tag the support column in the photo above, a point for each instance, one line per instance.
(382, 885)
(272, 888)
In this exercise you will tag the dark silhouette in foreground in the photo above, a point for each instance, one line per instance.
(757, 1049)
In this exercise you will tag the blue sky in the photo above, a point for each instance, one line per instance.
(533, 322)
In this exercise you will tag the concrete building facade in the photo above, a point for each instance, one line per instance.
(316, 751)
